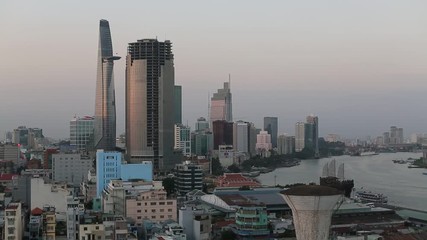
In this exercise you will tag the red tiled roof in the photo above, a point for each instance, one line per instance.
(7, 176)
(36, 211)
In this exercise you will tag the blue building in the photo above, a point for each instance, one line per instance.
(109, 166)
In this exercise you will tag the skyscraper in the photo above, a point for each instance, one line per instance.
(177, 91)
(315, 121)
(150, 111)
(221, 105)
(299, 136)
(105, 106)
(271, 126)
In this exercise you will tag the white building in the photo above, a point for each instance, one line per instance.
(13, 224)
(70, 168)
(183, 139)
(226, 155)
(73, 213)
(299, 136)
(263, 142)
(196, 222)
(81, 131)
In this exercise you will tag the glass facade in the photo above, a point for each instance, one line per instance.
(105, 109)
(81, 132)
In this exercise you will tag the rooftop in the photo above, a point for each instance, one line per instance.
(311, 190)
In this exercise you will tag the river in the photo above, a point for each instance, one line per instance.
(406, 187)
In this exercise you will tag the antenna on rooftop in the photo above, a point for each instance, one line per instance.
(229, 81)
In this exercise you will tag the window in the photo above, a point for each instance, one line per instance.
(153, 217)
(85, 228)
(169, 210)
(138, 211)
(170, 203)
(161, 203)
(138, 204)
(153, 203)
(161, 216)
(153, 210)
(162, 210)
(97, 227)
(139, 217)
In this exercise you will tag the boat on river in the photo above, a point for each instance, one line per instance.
(371, 197)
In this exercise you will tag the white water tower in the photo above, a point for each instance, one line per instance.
(312, 207)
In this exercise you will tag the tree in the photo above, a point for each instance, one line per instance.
(169, 185)
(234, 168)
(228, 234)
(217, 168)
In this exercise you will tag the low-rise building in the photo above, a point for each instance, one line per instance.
(235, 180)
(196, 222)
(70, 168)
(251, 222)
(152, 205)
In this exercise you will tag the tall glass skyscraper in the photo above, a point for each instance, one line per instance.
(105, 106)
(271, 126)
(150, 103)
(221, 105)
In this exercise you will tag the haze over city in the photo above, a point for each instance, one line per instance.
(360, 65)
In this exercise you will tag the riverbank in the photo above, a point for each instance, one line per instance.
(404, 187)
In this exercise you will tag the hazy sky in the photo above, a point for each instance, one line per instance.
(361, 66)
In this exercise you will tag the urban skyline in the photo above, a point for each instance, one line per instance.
(385, 75)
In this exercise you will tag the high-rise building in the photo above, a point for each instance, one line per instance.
(271, 126)
(241, 136)
(20, 135)
(177, 93)
(314, 120)
(202, 143)
(221, 105)
(202, 124)
(222, 132)
(285, 144)
(81, 132)
(150, 104)
(309, 136)
(299, 136)
(105, 103)
(183, 139)
(263, 143)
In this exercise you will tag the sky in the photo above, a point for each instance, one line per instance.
(360, 65)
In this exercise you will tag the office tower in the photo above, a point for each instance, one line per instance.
(202, 124)
(150, 110)
(177, 93)
(81, 132)
(299, 136)
(9, 137)
(221, 105)
(105, 106)
(253, 132)
(202, 143)
(222, 133)
(183, 139)
(241, 137)
(271, 126)
(285, 144)
(9, 152)
(393, 135)
(314, 120)
(20, 135)
(399, 136)
(309, 136)
(386, 138)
